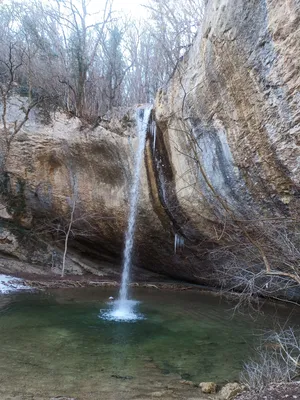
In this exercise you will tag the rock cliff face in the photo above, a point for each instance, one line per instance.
(229, 118)
(237, 93)
(221, 176)
(51, 168)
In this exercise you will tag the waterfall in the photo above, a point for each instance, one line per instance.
(123, 309)
(142, 118)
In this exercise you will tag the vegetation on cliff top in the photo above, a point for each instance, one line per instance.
(87, 58)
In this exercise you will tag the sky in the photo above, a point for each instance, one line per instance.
(132, 6)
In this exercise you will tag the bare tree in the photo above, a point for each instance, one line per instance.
(82, 38)
(173, 25)
(68, 231)
(277, 360)
(87, 62)
(11, 61)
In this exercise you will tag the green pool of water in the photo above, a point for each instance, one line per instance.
(56, 344)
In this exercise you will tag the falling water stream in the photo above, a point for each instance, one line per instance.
(123, 308)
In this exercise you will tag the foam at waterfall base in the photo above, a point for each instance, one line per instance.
(122, 311)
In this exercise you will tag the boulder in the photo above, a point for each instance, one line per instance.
(230, 390)
(208, 387)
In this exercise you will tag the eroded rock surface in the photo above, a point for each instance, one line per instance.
(223, 164)
(229, 119)
(237, 92)
(50, 168)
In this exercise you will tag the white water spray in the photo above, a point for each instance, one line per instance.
(123, 307)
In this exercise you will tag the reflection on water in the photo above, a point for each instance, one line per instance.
(56, 344)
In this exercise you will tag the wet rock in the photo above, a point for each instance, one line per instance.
(208, 387)
(230, 390)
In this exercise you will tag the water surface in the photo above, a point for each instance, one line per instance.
(56, 344)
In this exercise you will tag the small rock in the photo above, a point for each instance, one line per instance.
(230, 390)
(185, 382)
(161, 393)
(124, 377)
(208, 387)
